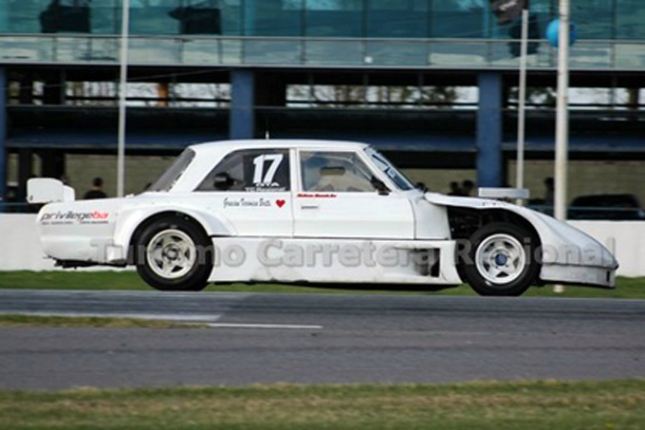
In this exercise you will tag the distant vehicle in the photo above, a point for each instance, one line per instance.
(619, 207)
(307, 211)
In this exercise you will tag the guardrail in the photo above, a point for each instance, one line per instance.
(312, 52)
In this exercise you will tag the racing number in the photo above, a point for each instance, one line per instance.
(259, 177)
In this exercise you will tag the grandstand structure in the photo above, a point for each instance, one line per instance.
(378, 71)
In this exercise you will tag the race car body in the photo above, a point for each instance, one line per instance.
(302, 211)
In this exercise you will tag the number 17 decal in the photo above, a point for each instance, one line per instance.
(259, 177)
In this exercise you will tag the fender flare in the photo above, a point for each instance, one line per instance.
(556, 237)
(129, 220)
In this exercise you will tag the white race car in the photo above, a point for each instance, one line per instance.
(300, 211)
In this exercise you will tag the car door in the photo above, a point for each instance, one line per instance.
(337, 198)
(251, 189)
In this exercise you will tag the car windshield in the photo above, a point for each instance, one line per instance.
(401, 181)
(174, 172)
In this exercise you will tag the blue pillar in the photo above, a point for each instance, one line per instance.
(3, 135)
(242, 116)
(489, 130)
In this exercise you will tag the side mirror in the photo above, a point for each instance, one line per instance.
(223, 181)
(380, 186)
(421, 186)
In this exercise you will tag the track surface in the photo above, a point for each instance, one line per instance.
(320, 339)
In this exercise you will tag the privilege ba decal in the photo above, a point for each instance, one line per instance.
(70, 217)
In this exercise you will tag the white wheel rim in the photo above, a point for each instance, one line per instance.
(171, 254)
(500, 259)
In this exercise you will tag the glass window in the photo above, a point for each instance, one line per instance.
(207, 17)
(630, 15)
(174, 172)
(334, 18)
(388, 168)
(459, 18)
(334, 171)
(594, 18)
(193, 16)
(273, 17)
(250, 170)
(396, 18)
(45, 16)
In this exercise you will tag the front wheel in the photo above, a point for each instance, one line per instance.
(174, 255)
(500, 260)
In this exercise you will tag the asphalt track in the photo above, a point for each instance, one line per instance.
(311, 338)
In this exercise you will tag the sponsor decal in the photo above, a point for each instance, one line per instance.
(71, 217)
(318, 195)
(251, 202)
(246, 202)
(259, 187)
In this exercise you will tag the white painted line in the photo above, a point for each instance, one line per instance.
(158, 317)
(273, 326)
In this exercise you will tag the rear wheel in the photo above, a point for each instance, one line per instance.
(500, 260)
(173, 254)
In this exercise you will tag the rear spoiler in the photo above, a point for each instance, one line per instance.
(48, 190)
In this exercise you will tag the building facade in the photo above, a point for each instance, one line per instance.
(431, 82)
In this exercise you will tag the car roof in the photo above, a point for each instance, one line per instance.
(229, 145)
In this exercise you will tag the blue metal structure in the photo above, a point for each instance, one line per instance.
(489, 130)
(242, 118)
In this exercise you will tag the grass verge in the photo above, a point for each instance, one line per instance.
(627, 288)
(523, 405)
(8, 321)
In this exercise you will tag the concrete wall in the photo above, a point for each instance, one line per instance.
(20, 248)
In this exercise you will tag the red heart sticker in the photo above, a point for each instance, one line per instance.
(280, 203)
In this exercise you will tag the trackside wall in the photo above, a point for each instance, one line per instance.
(21, 250)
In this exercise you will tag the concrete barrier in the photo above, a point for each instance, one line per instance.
(626, 240)
(21, 248)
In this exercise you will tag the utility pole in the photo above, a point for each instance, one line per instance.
(562, 118)
(125, 28)
(521, 107)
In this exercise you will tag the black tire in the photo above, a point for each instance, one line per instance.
(173, 254)
(499, 260)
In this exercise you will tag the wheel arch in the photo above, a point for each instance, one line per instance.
(154, 218)
(131, 224)
(464, 221)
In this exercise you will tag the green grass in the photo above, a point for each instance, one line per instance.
(500, 406)
(627, 288)
(7, 321)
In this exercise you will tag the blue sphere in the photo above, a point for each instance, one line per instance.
(553, 33)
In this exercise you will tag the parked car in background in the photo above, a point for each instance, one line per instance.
(619, 207)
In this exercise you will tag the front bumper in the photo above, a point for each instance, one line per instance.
(603, 277)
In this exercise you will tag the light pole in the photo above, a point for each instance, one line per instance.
(521, 107)
(562, 118)
(125, 27)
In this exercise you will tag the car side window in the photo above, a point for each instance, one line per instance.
(334, 171)
(250, 170)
